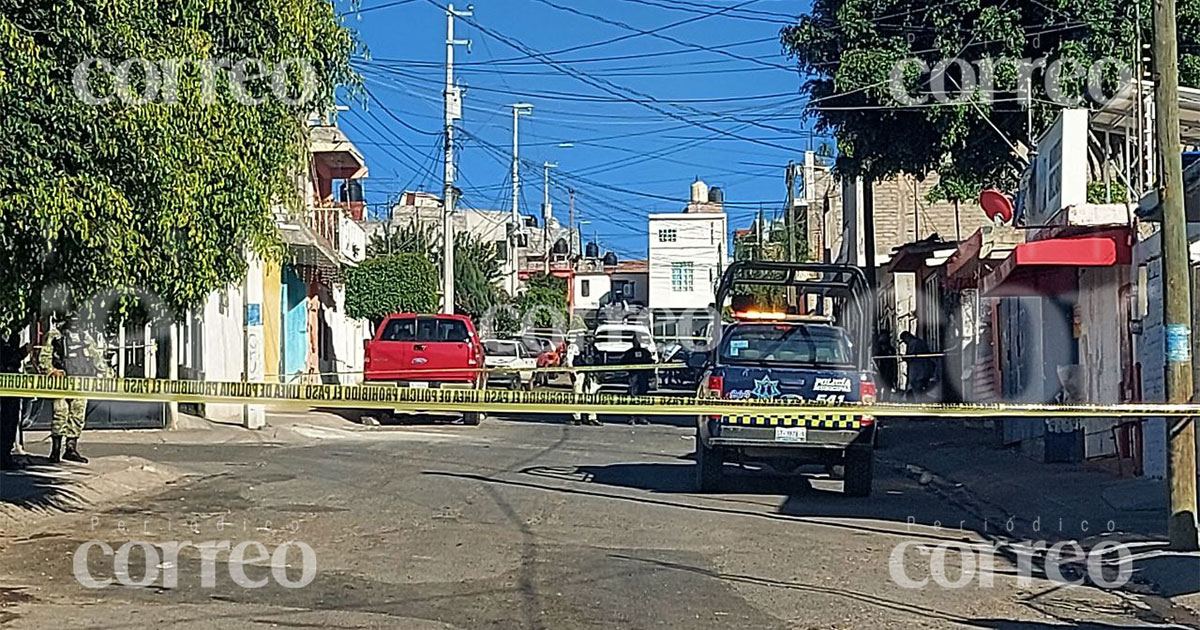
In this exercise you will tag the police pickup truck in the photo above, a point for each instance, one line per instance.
(776, 355)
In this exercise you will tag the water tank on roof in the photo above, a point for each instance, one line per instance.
(352, 191)
(716, 195)
(610, 259)
(699, 191)
(561, 247)
(592, 250)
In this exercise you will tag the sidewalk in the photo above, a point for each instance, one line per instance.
(1020, 498)
(1046, 501)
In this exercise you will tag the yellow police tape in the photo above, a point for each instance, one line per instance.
(505, 401)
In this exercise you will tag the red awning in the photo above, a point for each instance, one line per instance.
(1050, 267)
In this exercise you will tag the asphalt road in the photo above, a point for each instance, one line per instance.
(521, 524)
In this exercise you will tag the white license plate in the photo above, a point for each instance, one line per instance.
(791, 434)
(418, 384)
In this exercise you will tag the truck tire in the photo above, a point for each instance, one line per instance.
(709, 465)
(860, 472)
(473, 418)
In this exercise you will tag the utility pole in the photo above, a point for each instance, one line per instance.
(571, 225)
(1181, 433)
(547, 212)
(453, 106)
(791, 210)
(514, 261)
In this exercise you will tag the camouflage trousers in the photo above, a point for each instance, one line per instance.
(68, 417)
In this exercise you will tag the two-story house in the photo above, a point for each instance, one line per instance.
(688, 253)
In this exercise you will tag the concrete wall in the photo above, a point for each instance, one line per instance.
(272, 314)
(640, 282)
(1102, 341)
(598, 284)
(348, 336)
(223, 342)
(1149, 346)
(701, 239)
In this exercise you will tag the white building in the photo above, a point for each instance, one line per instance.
(688, 253)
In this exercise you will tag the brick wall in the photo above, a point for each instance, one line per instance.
(903, 214)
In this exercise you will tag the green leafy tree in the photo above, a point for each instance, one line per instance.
(478, 269)
(398, 283)
(127, 195)
(545, 296)
(848, 49)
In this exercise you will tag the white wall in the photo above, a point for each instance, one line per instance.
(223, 339)
(700, 240)
(348, 335)
(599, 284)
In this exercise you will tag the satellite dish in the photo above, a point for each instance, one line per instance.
(997, 206)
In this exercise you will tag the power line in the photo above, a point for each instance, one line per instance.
(606, 85)
(658, 35)
(377, 8)
(525, 60)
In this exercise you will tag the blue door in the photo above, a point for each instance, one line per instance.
(294, 344)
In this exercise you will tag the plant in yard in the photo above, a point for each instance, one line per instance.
(399, 283)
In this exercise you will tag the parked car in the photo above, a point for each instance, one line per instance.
(613, 340)
(545, 352)
(507, 353)
(413, 350)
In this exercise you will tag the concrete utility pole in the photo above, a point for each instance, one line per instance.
(514, 261)
(453, 106)
(1181, 433)
(571, 225)
(791, 211)
(547, 211)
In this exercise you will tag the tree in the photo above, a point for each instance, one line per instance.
(477, 266)
(477, 273)
(117, 182)
(849, 48)
(545, 297)
(397, 283)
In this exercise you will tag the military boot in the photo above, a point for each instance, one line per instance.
(72, 452)
(55, 449)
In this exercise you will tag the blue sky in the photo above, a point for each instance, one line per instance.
(646, 115)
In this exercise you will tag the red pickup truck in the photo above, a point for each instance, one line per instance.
(413, 350)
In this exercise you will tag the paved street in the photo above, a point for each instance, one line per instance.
(524, 524)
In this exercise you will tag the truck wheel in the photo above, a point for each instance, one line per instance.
(860, 472)
(709, 464)
(473, 418)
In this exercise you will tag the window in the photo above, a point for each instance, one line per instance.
(682, 276)
(497, 348)
(585, 288)
(785, 343)
(446, 330)
(623, 289)
(404, 329)
(668, 235)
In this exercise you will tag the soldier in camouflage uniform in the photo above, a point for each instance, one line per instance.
(66, 351)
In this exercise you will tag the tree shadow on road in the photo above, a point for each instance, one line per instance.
(41, 486)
